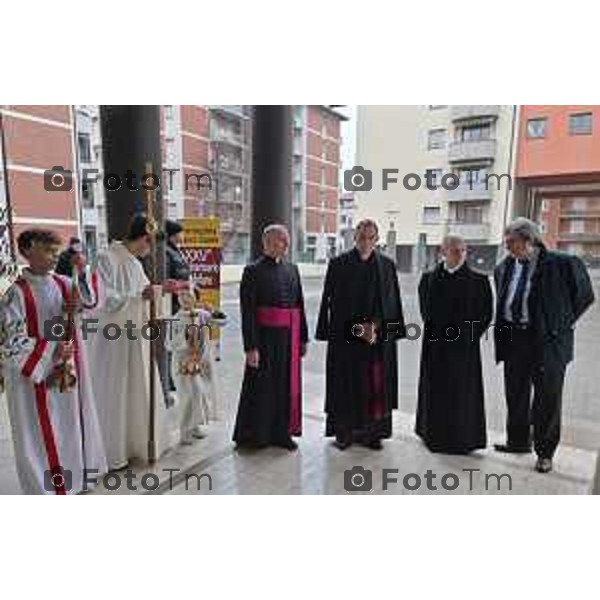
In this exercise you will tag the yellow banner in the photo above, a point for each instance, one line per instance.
(201, 232)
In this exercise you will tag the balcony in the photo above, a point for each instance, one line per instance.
(588, 236)
(463, 112)
(469, 231)
(232, 110)
(222, 136)
(586, 213)
(472, 151)
(467, 192)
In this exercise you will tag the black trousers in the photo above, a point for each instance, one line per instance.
(524, 372)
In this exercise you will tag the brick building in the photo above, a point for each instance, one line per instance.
(196, 139)
(558, 175)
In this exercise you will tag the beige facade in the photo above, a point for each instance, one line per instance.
(471, 145)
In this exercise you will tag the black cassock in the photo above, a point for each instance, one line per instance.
(451, 412)
(274, 322)
(362, 380)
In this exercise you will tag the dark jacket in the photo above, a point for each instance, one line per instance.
(341, 295)
(561, 291)
(336, 304)
(177, 268)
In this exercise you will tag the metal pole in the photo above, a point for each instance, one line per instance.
(9, 215)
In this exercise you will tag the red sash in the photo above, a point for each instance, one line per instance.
(272, 316)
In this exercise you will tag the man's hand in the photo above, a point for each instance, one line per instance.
(253, 358)
(368, 333)
(172, 286)
(148, 292)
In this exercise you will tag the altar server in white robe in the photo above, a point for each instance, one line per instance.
(121, 366)
(56, 434)
(193, 368)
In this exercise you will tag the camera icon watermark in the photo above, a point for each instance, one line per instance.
(358, 179)
(58, 479)
(58, 179)
(358, 479)
(56, 330)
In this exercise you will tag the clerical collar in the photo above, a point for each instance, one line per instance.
(453, 269)
(277, 261)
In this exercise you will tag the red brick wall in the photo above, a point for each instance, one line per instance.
(57, 112)
(194, 152)
(37, 145)
(194, 119)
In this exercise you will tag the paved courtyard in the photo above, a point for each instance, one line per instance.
(319, 468)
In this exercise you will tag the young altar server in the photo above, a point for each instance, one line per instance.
(193, 368)
(55, 428)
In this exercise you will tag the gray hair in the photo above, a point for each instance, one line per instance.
(526, 229)
(453, 240)
(275, 227)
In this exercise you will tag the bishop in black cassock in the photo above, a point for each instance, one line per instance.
(361, 319)
(456, 307)
(275, 335)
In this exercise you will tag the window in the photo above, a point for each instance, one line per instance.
(432, 215)
(91, 246)
(474, 176)
(434, 176)
(297, 193)
(85, 149)
(580, 124)
(87, 195)
(322, 197)
(475, 132)
(436, 139)
(469, 213)
(311, 240)
(577, 226)
(536, 128)
(579, 204)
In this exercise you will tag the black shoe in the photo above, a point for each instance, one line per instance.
(374, 444)
(543, 465)
(342, 444)
(288, 444)
(512, 449)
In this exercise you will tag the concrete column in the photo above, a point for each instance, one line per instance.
(271, 171)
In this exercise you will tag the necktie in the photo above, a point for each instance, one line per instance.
(516, 307)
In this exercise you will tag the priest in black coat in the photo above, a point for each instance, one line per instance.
(456, 307)
(275, 336)
(361, 319)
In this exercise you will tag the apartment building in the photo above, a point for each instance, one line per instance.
(316, 191)
(558, 175)
(452, 170)
(195, 140)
